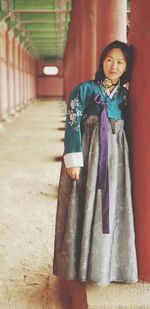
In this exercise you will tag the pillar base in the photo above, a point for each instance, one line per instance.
(2, 129)
(5, 118)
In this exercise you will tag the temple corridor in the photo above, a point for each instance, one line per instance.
(47, 47)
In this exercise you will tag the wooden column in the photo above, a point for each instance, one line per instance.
(79, 40)
(89, 39)
(80, 54)
(10, 75)
(140, 125)
(70, 59)
(4, 108)
(111, 22)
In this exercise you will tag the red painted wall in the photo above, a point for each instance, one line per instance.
(49, 86)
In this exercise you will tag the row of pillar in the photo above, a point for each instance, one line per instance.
(17, 74)
(94, 24)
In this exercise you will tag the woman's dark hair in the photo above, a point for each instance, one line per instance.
(128, 54)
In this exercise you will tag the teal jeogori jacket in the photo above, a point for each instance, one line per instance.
(81, 105)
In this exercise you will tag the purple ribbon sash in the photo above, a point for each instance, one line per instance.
(103, 162)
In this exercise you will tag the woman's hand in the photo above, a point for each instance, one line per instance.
(74, 172)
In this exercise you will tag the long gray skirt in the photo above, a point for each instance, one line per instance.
(82, 252)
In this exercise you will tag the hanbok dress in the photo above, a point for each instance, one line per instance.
(94, 236)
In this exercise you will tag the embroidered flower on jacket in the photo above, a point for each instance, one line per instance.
(73, 103)
(73, 118)
(74, 113)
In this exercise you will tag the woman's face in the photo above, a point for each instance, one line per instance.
(114, 64)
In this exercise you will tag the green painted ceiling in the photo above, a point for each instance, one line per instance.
(42, 25)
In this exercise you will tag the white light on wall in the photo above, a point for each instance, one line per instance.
(50, 70)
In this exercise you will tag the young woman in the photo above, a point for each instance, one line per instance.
(94, 238)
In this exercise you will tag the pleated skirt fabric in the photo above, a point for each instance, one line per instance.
(82, 252)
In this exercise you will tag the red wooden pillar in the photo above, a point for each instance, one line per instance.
(3, 71)
(111, 22)
(69, 61)
(25, 75)
(17, 74)
(10, 76)
(66, 84)
(140, 124)
(78, 15)
(80, 54)
(7, 70)
(31, 80)
(28, 78)
(89, 39)
(85, 29)
(14, 72)
(21, 73)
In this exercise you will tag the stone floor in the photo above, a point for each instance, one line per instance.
(119, 296)
(31, 146)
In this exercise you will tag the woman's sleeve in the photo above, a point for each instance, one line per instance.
(73, 144)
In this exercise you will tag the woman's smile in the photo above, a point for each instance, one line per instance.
(114, 64)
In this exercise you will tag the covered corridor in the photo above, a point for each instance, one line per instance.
(32, 114)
